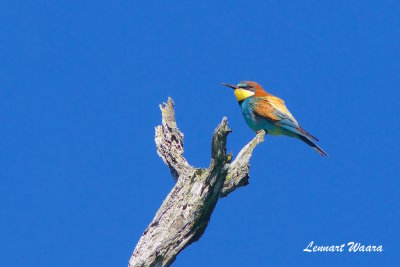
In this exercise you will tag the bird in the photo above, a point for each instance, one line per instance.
(264, 111)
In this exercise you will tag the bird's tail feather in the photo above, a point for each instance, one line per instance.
(304, 132)
(313, 145)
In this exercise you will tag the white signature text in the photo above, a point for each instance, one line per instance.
(350, 247)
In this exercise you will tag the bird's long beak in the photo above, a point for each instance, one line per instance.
(229, 85)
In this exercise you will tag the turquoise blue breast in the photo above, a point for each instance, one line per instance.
(256, 123)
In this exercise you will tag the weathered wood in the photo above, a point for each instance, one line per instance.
(185, 213)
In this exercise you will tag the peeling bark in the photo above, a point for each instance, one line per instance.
(185, 213)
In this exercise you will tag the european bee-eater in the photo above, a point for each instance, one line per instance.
(263, 111)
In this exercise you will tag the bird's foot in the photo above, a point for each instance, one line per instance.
(262, 130)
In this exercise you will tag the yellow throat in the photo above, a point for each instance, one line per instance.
(242, 94)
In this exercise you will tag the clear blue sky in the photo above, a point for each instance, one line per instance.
(80, 85)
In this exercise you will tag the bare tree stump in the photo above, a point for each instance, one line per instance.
(185, 213)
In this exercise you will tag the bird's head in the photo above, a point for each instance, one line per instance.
(246, 89)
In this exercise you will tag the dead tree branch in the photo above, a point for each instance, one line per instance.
(185, 213)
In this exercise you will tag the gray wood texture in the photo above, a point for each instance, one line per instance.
(185, 213)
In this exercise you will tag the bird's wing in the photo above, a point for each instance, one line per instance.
(274, 109)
